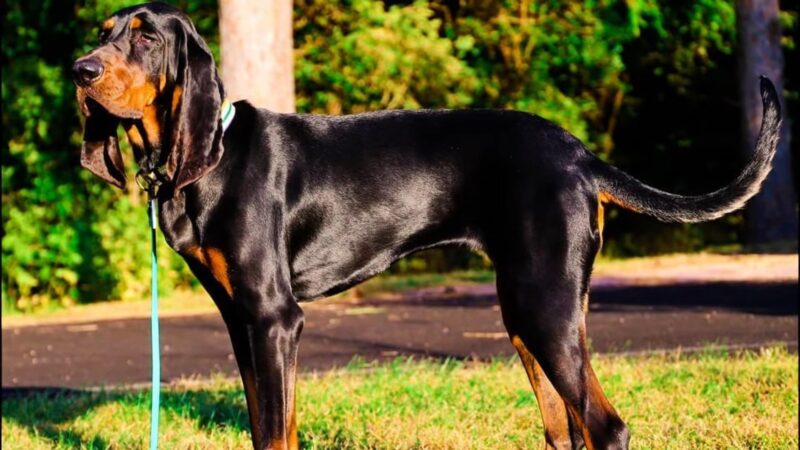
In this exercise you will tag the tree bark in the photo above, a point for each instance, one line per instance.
(257, 52)
(771, 214)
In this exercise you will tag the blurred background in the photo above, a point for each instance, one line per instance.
(666, 90)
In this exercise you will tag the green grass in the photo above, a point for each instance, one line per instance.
(709, 400)
(399, 283)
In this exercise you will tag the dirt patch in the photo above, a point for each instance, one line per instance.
(701, 268)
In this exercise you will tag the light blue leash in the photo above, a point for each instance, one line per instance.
(148, 182)
(155, 347)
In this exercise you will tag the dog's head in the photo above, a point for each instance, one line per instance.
(153, 74)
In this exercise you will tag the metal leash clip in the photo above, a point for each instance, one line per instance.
(147, 180)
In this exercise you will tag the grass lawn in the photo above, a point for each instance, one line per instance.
(708, 400)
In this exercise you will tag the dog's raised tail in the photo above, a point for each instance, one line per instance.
(622, 189)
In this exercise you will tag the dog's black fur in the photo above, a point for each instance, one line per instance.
(286, 208)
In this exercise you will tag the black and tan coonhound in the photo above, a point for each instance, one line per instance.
(279, 209)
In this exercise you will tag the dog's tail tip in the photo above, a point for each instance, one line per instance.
(633, 194)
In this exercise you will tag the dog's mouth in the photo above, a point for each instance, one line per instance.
(91, 101)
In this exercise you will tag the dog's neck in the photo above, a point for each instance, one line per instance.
(176, 223)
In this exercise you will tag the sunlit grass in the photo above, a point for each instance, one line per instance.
(709, 400)
(399, 283)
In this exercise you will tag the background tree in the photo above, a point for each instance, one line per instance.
(772, 215)
(257, 53)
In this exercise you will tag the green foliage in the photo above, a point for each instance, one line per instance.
(355, 56)
(557, 59)
(685, 34)
(40, 248)
(561, 60)
(66, 236)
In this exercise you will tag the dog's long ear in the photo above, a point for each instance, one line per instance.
(197, 96)
(100, 151)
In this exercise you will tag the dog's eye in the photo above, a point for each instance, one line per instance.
(143, 38)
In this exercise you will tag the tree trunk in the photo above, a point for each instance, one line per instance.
(772, 214)
(257, 52)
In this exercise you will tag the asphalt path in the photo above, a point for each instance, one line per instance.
(462, 322)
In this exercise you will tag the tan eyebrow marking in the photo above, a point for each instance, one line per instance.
(109, 24)
(136, 23)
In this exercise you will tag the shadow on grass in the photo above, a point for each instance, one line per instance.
(47, 412)
(53, 413)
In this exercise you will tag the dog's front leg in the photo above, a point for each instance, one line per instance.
(274, 333)
(244, 359)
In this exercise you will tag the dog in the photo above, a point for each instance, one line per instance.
(270, 210)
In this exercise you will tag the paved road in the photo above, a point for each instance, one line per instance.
(433, 322)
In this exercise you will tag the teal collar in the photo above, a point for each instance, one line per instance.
(226, 114)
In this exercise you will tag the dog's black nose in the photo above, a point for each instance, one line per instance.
(86, 71)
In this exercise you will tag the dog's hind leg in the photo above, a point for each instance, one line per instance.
(543, 261)
(545, 320)
(560, 430)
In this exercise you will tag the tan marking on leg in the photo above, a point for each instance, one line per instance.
(294, 443)
(162, 81)
(214, 260)
(197, 253)
(287, 437)
(551, 406)
(250, 395)
(595, 394)
(291, 421)
(219, 268)
(278, 443)
(109, 24)
(136, 23)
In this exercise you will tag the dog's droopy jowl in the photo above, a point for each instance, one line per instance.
(279, 209)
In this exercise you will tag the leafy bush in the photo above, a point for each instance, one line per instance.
(66, 236)
(359, 56)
